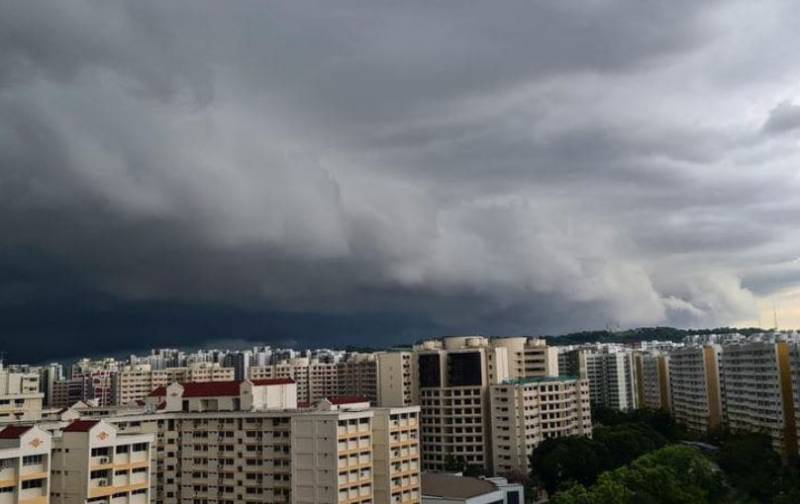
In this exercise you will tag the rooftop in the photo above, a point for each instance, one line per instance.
(459, 487)
(81, 425)
(218, 388)
(540, 379)
(14, 431)
(347, 399)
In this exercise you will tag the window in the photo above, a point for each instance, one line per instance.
(37, 483)
(32, 459)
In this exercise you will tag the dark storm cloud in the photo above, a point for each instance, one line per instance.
(395, 169)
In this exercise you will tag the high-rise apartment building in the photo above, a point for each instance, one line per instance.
(652, 380)
(396, 453)
(20, 398)
(528, 357)
(694, 374)
(92, 463)
(24, 465)
(526, 411)
(356, 374)
(397, 379)
(454, 378)
(238, 442)
(612, 377)
(135, 382)
(757, 394)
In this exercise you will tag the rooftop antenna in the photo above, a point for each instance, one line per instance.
(774, 315)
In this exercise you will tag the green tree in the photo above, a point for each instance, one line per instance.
(671, 475)
(752, 466)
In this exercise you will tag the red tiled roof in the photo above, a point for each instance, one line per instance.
(81, 425)
(210, 389)
(273, 381)
(217, 388)
(14, 431)
(347, 399)
(159, 392)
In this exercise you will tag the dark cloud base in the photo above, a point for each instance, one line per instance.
(96, 325)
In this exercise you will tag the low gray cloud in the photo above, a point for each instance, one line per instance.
(784, 117)
(523, 168)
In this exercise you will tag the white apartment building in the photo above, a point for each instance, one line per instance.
(92, 463)
(24, 465)
(20, 398)
(652, 379)
(526, 411)
(612, 377)
(694, 374)
(757, 394)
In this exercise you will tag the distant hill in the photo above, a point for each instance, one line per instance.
(642, 334)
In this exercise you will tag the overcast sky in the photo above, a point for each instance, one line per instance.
(176, 172)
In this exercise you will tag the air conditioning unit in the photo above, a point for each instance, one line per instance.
(103, 482)
(104, 460)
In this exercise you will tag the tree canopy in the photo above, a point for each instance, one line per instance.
(671, 475)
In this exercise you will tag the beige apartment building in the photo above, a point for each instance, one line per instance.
(234, 442)
(396, 379)
(694, 374)
(652, 380)
(396, 453)
(527, 411)
(757, 394)
(528, 357)
(24, 465)
(454, 376)
(134, 382)
(356, 375)
(93, 463)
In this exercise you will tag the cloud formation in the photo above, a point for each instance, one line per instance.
(524, 168)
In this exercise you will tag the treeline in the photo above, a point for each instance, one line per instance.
(642, 334)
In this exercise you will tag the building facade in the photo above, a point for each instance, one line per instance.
(527, 411)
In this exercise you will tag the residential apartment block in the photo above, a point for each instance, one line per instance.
(397, 379)
(652, 380)
(134, 382)
(247, 441)
(93, 463)
(357, 374)
(612, 377)
(694, 374)
(24, 465)
(757, 393)
(20, 398)
(454, 378)
(526, 411)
